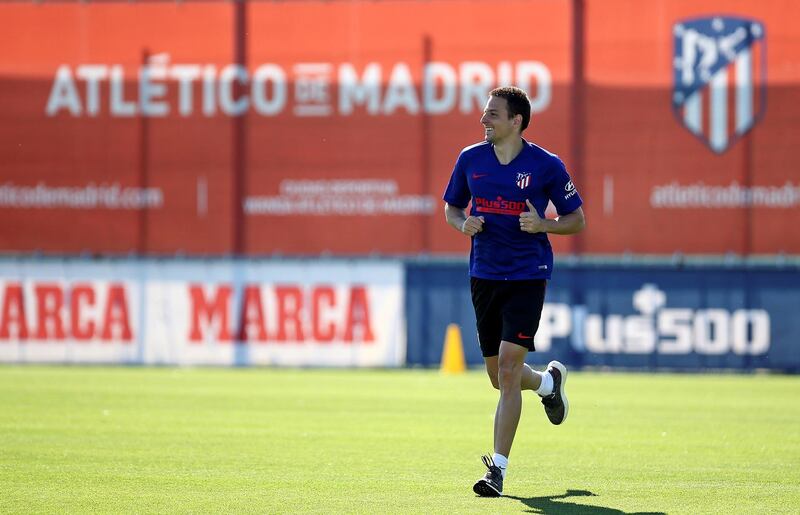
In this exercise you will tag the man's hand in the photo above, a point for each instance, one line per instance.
(472, 225)
(529, 221)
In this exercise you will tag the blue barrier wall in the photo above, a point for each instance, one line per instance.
(629, 316)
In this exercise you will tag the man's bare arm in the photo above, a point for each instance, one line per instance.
(458, 219)
(572, 223)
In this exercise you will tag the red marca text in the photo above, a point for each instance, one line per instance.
(320, 313)
(64, 312)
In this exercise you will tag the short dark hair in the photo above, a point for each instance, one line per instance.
(518, 103)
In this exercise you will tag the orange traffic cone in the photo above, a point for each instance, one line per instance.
(453, 361)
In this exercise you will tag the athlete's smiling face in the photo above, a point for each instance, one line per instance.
(498, 124)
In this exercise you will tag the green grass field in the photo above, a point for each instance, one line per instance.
(164, 440)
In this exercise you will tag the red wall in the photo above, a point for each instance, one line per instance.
(352, 171)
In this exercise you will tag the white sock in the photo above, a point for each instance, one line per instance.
(501, 461)
(546, 388)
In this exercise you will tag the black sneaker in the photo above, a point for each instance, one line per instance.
(490, 485)
(555, 404)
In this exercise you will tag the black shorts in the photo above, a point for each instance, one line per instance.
(507, 310)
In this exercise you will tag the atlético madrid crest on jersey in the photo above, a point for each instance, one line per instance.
(719, 90)
(523, 179)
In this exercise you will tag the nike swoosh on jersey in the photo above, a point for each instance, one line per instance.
(523, 337)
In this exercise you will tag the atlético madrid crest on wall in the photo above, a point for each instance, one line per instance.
(719, 90)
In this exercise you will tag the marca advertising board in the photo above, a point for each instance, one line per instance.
(202, 313)
(165, 127)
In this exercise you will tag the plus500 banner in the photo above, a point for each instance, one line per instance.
(641, 317)
(211, 313)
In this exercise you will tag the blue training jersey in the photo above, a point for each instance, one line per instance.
(502, 251)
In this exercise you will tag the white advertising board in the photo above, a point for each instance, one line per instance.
(216, 312)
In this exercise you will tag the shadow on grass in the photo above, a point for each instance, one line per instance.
(552, 504)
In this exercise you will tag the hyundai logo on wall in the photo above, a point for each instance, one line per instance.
(719, 90)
